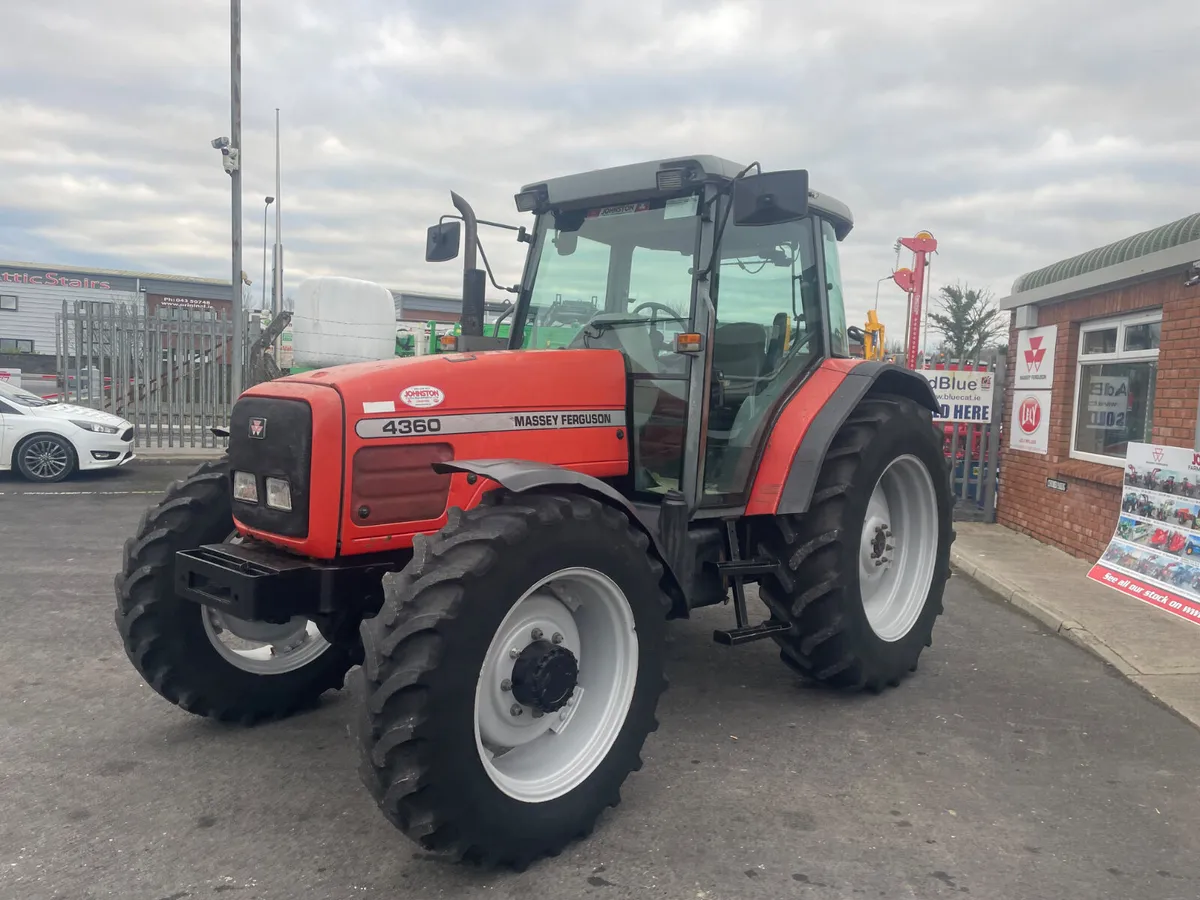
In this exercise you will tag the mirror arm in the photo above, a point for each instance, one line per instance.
(488, 267)
(716, 248)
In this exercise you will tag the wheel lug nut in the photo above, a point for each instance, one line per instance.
(515, 709)
(557, 638)
(514, 653)
(536, 634)
(506, 685)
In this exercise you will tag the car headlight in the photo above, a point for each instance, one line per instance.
(245, 487)
(279, 494)
(94, 427)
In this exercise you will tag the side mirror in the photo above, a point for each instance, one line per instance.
(441, 241)
(770, 198)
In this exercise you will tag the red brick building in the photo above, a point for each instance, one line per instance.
(1121, 325)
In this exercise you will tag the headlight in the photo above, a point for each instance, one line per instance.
(279, 494)
(245, 487)
(94, 427)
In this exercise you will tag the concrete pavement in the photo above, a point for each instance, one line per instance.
(1154, 649)
(1010, 766)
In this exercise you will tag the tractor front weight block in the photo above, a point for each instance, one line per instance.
(262, 584)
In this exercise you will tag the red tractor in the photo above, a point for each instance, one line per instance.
(489, 542)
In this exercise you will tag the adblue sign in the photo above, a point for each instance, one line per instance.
(964, 396)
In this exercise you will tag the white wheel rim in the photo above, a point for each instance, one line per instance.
(539, 758)
(263, 648)
(898, 548)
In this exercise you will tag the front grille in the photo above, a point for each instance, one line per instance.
(270, 437)
(127, 434)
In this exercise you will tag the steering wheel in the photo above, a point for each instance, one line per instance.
(651, 304)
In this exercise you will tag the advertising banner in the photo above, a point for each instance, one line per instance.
(1154, 555)
(964, 396)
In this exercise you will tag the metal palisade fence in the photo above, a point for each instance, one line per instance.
(973, 450)
(167, 372)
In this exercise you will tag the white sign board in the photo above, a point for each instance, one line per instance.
(1030, 423)
(11, 376)
(964, 396)
(1107, 401)
(1034, 368)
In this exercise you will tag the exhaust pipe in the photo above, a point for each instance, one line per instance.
(474, 279)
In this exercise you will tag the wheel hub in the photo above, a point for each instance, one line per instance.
(544, 676)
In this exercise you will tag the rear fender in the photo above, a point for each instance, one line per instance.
(520, 476)
(834, 399)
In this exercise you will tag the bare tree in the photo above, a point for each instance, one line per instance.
(968, 320)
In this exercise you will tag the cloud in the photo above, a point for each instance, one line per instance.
(1019, 132)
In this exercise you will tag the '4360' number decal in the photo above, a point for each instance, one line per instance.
(410, 426)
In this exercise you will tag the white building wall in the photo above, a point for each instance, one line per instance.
(38, 304)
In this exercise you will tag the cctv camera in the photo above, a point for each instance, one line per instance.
(220, 143)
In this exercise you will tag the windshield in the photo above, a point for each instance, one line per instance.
(615, 276)
(20, 396)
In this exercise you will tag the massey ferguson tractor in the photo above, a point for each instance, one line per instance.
(485, 545)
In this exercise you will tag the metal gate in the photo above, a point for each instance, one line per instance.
(168, 372)
(973, 451)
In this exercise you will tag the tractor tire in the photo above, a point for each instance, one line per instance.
(512, 587)
(174, 646)
(861, 583)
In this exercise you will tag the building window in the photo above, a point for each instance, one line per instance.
(8, 302)
(1114, 386)
(15, 345)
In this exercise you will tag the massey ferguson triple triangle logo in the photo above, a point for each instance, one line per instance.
(1157, 453)
(258, 427)
(1035, 354)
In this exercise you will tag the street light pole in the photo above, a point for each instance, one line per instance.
(235, 140)
(266, 206)
(277, 292)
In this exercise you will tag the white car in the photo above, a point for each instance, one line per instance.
(46, 441)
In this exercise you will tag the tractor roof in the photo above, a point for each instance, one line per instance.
(639, 180)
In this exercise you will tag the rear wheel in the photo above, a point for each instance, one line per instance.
(511, 678)
(201, 659)
(865, 568)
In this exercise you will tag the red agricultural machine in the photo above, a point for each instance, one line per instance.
(490, 542)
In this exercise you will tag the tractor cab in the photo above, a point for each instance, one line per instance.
(721, 288)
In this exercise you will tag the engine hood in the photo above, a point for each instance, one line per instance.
(68, 411)
(496, 381)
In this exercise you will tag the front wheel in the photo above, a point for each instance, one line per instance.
(865, 568)
(46, 458)
(200, 659)
(512, 677)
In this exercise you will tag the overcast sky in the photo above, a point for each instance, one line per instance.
(1018, 131)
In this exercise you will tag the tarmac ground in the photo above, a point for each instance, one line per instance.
(1013, 764)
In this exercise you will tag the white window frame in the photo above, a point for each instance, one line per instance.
(16, 303)
(1121, 323)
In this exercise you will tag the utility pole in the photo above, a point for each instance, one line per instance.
(235, 139)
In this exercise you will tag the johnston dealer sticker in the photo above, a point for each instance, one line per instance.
(422, 396)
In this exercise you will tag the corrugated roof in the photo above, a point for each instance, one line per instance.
(1181, 231)
(87, 270)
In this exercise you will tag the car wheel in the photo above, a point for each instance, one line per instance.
(45, 458)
